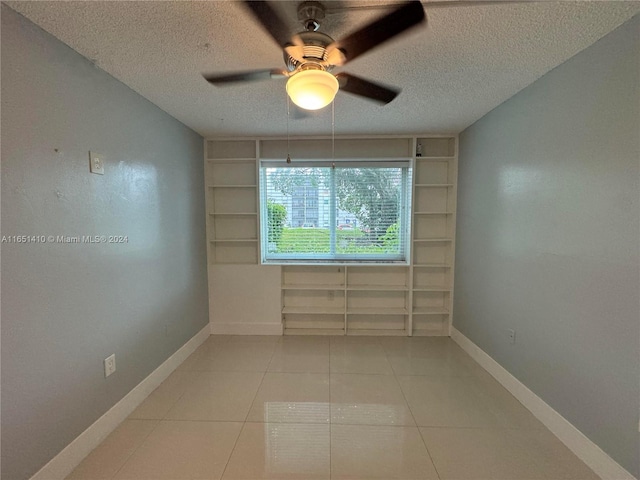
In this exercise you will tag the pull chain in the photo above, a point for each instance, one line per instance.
(333, 133)
(288, 156)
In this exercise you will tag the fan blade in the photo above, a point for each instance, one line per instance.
(427, 4)
(472, 3)
(250, 76)
(366, 88)
(266, 16)
(374, 34)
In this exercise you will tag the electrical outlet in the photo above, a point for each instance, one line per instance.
(96, 163)
(512, 335)
(109, 365)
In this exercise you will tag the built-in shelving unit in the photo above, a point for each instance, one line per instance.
(314, 300)
(434, 207)
(352, 299)
(232, 201)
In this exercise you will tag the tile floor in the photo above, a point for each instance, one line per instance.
(307, 408)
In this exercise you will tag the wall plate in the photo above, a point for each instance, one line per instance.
(96, 163)
(109, 365)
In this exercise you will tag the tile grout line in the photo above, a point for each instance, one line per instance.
(395, 376)
(428, 453)
(164, 418)
(330, 413)
(135, 449)
(158, 421)
(244, 422)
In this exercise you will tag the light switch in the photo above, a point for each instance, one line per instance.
(109, 365)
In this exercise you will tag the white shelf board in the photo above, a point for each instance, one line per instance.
(239, 214)
(378, 288)
(376, 311)
(233, 213)
(434, 159)
(231, 160)
(376, 332)
(232, 186)
(367, 159)
(431, 265)
(437, 240)
(434, 185)
(314, 331)
(309, 286)
(433, 213)
(234, 240)
(314, 310)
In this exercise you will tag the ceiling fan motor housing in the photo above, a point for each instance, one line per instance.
(314, 50)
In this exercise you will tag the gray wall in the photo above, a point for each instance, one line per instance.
(67, 307)
(548, 240)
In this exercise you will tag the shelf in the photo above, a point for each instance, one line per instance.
(233, 214)
(234, 240)
(433, 213)
(377, 332)
(233, 186)
(438, 240)
(431, 265)
(309, 286)
(434, 159)
(430, 311)
(376, 311)
(314, 331)
(434, 185)
(314, 310)
(240, 214)
(244, 261)
(231, 160)
(281, 160)
(378, 288)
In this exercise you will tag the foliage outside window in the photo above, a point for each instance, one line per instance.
(353, 212)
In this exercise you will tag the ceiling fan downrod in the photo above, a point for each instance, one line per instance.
(310, 13)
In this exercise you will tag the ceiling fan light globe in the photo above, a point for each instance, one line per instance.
(312, 89)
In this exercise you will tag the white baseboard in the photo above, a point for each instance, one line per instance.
(218, 328)
(587, 451)
(60, 466)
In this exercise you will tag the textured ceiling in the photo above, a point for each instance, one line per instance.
(465, 62)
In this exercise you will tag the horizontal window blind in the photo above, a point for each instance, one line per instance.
(350, 211)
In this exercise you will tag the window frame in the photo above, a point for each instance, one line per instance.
(406, 207)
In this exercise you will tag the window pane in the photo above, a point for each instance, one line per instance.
(369, 201)
(324, 213)
(300, 226)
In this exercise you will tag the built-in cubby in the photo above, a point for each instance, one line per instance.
(232, 201)
(369, 299)
(433, 237)
(313, 299)
(412, 298)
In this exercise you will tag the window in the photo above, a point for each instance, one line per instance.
(352, 211)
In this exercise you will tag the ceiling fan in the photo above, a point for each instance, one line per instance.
(311, 55)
